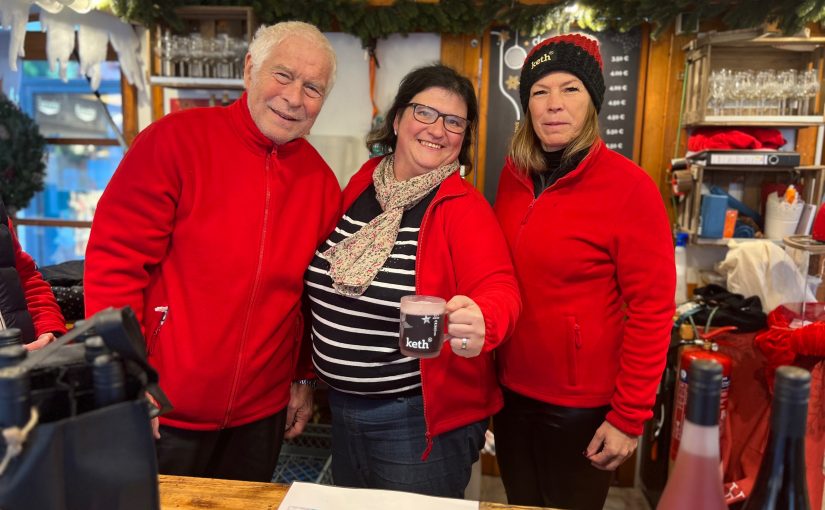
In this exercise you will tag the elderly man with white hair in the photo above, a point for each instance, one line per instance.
(205, 230)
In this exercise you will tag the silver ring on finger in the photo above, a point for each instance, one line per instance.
(464, 344)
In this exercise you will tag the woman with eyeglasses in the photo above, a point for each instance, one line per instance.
(412, 226)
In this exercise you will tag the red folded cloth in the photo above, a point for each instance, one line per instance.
(705, 138)
(781, 345)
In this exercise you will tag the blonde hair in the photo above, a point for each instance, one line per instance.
(268, 37)
(526, 150)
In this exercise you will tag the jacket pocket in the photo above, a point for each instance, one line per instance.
(161, 314)
(574, 343)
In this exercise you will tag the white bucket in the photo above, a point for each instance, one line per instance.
(781, 217)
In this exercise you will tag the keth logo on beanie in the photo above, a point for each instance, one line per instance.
(547, 57)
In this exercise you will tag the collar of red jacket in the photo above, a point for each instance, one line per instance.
(587, 162)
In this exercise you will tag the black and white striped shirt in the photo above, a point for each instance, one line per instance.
(355, 340)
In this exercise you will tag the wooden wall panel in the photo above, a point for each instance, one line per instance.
(663, 96)
(130, 115)
(463, 53)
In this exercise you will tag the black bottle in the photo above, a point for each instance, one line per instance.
(107, 374)
(11, 355)
(94, 347)
(781, 482)
(11, 336)
(15, 399)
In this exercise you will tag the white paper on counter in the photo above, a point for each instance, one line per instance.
(310, 496)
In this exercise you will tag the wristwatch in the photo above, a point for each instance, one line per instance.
(312, 383)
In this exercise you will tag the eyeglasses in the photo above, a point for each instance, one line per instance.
(427, 115)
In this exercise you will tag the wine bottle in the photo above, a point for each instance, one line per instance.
(94, 347)
(15, 399)
(696, 479)
(109, 382)
(11, 355)
(781, 482)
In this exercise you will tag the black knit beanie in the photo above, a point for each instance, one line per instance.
(575, 53)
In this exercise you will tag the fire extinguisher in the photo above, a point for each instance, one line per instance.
(707, 350)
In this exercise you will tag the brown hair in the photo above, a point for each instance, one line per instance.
(526, 150)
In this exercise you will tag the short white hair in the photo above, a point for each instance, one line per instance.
(268, 37)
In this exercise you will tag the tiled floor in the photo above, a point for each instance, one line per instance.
(619, 498)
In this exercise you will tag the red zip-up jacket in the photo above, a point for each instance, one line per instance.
(461, 251)
(595, 264)
(206, 229)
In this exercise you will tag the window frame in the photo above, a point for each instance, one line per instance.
(35, 49)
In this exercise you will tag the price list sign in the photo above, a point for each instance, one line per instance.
(621, 54)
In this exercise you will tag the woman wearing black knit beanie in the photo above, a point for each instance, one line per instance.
(591, 244)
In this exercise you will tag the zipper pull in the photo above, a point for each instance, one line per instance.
(528, 212)
(429, 446)
(163, 310)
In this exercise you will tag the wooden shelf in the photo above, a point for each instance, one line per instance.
(179, 82)
(754, 168)
(725, 240)
(760, 120)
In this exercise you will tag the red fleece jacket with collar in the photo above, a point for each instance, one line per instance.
(206, 229)
(461, 251)
(595, 262)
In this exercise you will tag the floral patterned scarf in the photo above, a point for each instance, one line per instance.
(354, 262)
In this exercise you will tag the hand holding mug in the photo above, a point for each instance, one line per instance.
(421, 333)
(466, 326)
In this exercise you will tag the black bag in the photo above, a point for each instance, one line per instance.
(723, 308)
(81, 457)
(66, 280)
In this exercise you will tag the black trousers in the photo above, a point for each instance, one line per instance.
(539, 447)
(248, 452)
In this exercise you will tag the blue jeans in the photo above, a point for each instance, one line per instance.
(378, 443)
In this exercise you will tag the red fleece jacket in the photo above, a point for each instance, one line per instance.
(209, 221)
(461, 251)
(594, 259)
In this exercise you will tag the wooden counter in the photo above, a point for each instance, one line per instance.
(185, 493)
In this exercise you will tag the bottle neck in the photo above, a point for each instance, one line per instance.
(702, 407)
(788, 419)
(700, 440)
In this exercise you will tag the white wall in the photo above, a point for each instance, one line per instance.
(344, 121)
(346, 117)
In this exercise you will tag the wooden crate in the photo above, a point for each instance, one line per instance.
(748, 50)
(211, 21)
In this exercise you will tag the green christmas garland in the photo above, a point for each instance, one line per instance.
(22, 165)
(369, 23)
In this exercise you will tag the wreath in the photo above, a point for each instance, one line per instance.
(22, 163)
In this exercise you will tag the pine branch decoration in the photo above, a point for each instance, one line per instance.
(369, 23)
(22, 148)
